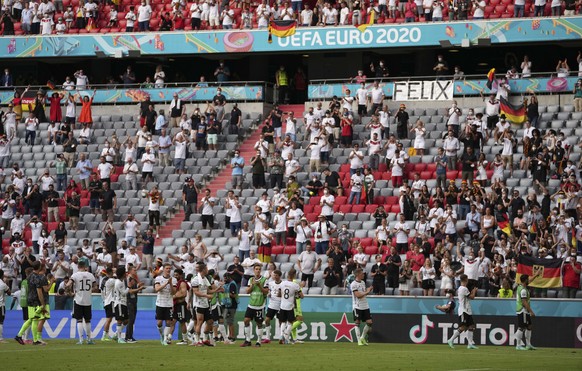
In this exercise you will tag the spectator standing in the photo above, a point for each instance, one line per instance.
(308, 263)
(144, 14)
(108, 201)
(190, 198)
(222, 72)
(402, 120)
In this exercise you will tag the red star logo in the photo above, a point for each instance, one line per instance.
(344, 329)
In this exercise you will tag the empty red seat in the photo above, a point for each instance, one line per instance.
(371, 208)
(395, 208)
(452, 174)
(290, 250)
(426, 175)
(358, 208)
(391, 200)
(367, 241)
(379, 200)
(371, 250)
(340, 200)
(345, 209)
(431, 167)
(276, 250)
(419, 167)
(500, 9)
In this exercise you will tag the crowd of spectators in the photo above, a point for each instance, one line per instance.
(60, 17)
(479, 226)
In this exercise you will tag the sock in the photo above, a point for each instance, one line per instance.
(294, 328)
(167, 333)
(190, 326)
(1, 331)
(35, 330)
(288, 331)
(119, 328)
(88, 330)
(470, 338)
(259, 333)
(358, 334)
(456, 334)
(222, 331)
(519, 337)
(80, 330)
(26, 334)
(196, 337)
(247, 333)
(528, 338)
(161, 331)
(365, 332)
(284, 329)
(25, 327)
(267, 332)
(185, 337)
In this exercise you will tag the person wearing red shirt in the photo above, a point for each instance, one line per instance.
(571, 275)
(416, 261)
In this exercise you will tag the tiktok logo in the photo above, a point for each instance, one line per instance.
(419, 333)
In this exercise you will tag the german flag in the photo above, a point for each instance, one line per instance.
(281, 28)
(490, 78)
(371, 18)
(503, 223)
(513, 113)
(547, 272)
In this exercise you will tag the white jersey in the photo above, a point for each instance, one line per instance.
(471, 268)
(3, 290)
(289, 292)
(464, 303)
(164, 296)
(274, 298)
(359, 303)
(107, 287)
(83, 282)
(120, 291)
(202, 284)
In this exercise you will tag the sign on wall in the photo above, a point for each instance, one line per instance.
(423, 90)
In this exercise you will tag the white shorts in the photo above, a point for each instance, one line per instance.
(204, 15)
(213, 21)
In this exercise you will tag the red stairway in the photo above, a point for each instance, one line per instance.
(219, 182)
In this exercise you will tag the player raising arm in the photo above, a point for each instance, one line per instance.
(465, 313)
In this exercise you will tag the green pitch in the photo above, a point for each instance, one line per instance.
(149, 355)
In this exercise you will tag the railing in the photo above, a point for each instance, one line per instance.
(470, 85)
(234, 91)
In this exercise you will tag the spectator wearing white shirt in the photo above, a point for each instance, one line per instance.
(308, 263)
(263, 13)
(227, 16)
(401, 230)
(306, 16)
(213, 15)
(329, 15)
(130, 19)
(132, 259)
(451, 146)
(397, 168)
(82, 80)
(195, 15)
(130, 170)
(144, 14)
(148, 160)
(356, 158)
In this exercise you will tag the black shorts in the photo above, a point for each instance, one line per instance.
(256, 314)
(82, 312)
(272, 313)
(108, 310)
(492, 121)
(523, 320)
(3, 314)
(205, 312)
(217, 313)
(145, 174)
(466, 320)
(69, 120)
(181, 312)
(362, 315)
(121, 312)
(286, 315)
(428, 284)
(25, 314)
(154, 217)
(164, 314)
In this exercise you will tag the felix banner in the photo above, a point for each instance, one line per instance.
(423, 90)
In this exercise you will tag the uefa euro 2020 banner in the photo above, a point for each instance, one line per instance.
(396, 320)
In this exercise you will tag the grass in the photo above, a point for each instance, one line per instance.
(150, 355)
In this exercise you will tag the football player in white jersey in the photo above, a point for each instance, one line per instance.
(107, 286)
(466, 321)
(201, 295)
(120, 291)
(274, 304)
(165, 290)
(82, 283)
(360, 305)
(289, 291)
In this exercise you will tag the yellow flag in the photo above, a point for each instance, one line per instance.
(363, 26)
